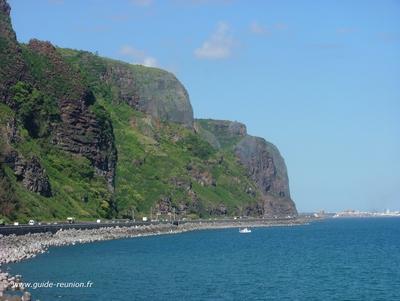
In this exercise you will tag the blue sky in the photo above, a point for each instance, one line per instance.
(320, 79)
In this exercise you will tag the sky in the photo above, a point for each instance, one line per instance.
(320, 79)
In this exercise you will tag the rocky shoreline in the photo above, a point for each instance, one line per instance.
(17, 248)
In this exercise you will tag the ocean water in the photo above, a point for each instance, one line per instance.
(341, 259)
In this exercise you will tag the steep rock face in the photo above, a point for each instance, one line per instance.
(267, 168)
(81, 133)
(30, 172)
(27, 171)
(220, 133)
(12, 66)
(262, 161)
(150, 90)
(80, 130)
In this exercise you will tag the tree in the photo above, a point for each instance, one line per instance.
(35, 110)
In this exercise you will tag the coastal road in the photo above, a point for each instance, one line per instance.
(53, 228)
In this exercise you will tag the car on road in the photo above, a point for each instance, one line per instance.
(31, 222)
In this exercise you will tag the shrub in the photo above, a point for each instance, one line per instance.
(35, 110)
(198, 147)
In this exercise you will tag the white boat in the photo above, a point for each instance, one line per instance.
(245, 230)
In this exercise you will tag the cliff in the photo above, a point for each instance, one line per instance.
(12, 65)
(87, 136)
(267, 168)
(221, 133)
(53, 115)
(153, 91)
(262, 160)
(82, 126)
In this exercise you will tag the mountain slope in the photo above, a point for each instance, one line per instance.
(261, 159)
(86, 136)
(57, 152)
(153, 91)
(163, 164)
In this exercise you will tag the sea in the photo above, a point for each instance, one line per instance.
(333, 259)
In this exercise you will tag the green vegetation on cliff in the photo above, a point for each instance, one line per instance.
(165, 166)
(90, 137)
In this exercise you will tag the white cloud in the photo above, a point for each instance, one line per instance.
(138, 56)
(150, 61)
(218, 46)
(259, 29)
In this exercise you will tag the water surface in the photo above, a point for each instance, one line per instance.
(341, 259)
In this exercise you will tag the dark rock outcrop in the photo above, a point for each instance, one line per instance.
(218, 210)
(12, 65)
(30, 173)
(80, 130)
(5, 7)
(27, 171)
(267, 169)
(11, 132)
(204, 178)
(81, 133)
(164, 206)
(256, 209)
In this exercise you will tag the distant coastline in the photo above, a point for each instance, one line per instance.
(357, 213)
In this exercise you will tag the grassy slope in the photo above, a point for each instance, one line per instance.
(142, 185)
(151, 156)
(226, 141)
(75, 188)
(163, 149)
